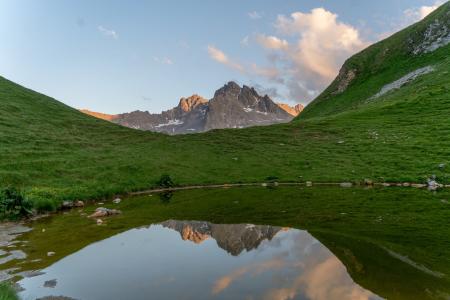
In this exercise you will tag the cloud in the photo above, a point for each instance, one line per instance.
(219, 56)
(163, 60)
(108, 32)
(319, 45)
(245, 41)
(304, 55)
(272, 42)
(416, 14)
(254, 15)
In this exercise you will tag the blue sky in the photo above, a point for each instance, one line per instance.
(118, 56)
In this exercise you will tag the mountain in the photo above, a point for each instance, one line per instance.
(292, 110)
(98, 115)
(231, 107)
(384, 118)
(233, 238)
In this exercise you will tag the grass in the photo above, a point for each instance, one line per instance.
(7, 292)
(54, 153)
(357, 225)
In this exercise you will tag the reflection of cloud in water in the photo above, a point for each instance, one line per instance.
(326, 280)
(301, 267)
(254, 270)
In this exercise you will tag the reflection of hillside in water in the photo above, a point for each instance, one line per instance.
(233, 238)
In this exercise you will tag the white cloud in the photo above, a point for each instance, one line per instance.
(272, 42)
(245, 41)
(418, 13)
(108, 32)
(320, 44)
(254, 15)
(219, 56)
(163, 60)
(304, 56)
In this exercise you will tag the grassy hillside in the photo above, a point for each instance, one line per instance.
(55, 152)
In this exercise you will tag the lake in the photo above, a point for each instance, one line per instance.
(240, 243)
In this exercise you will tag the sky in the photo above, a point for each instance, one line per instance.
(119, 56)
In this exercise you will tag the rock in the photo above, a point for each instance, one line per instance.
(368, 182)
(386, 184)
(346, 184)
(104, 212)
(276, 183)
(264, 184)
(418, 185)
(51, 253)
(99, 222)
(67, 205)
(406, 184)
(50, 283)
(432, 183)
(309, 183)
(78, 203)
(441, 166)
(117, 201)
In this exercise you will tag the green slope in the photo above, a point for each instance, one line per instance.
(380, 64)
(53, 151)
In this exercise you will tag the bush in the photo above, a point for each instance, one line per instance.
(13, 204)
(272, 178)
(43, 199)
(165, 181)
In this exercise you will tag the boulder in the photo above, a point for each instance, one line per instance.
(78, 203)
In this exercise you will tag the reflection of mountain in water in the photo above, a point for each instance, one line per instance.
(233, 238)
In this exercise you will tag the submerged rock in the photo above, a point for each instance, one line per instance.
(346, 184)
(51, 283)
(104, 212)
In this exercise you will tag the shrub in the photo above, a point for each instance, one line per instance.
(13, 204)
(271, 178)
(165, 181)
(43, 199)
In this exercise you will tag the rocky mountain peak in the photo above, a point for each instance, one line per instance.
(229, 89)
(292, 110)
(231, 107)
(190, 103)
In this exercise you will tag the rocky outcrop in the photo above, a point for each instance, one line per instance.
(344, 79)
(236, 107)
(99, 115)
(292, 110)
(231, 107)
(435, 36)
(233, 238)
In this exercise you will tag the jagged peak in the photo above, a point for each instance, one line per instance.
(189, 103)
(292, 110)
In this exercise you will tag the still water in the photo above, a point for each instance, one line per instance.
(199, 260)
(240, 243)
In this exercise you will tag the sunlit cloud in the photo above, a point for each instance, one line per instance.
(272, 42)
(219, 56)
(108, 32)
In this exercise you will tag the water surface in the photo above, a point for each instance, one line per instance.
(245, 243)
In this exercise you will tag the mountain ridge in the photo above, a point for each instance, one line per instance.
(231, 107)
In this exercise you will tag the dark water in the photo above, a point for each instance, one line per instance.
(307, 243)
